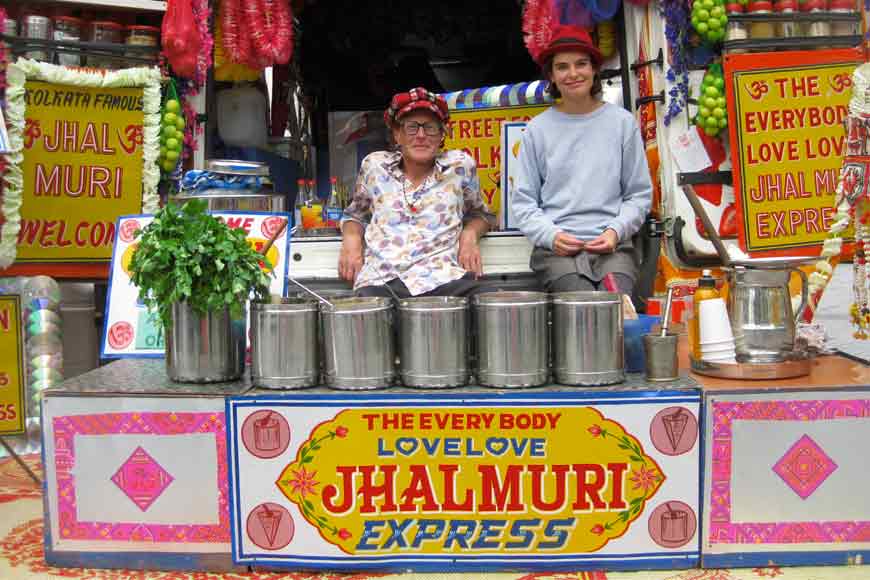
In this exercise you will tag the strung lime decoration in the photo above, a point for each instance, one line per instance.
(712, 115)
(709, 20)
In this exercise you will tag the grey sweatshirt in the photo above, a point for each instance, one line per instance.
(581, 174)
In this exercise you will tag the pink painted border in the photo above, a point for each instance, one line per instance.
(70, 528)
(722, 530)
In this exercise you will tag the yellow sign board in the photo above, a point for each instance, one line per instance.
(12, 403)
(786, 113)
(82, 169)
(450, 473)
(478, 133)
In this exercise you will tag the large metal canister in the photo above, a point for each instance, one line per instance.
(433, 343)
(587, 338)
(206, 348)
(358, 342)
(512, 335)
(241, 198)
(284, 344)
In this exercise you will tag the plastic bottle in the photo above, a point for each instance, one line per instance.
(706, 291)
(301, 198)
(332, 211)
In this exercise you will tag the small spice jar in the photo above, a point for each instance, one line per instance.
(817, 28)
(760, 30)
(36, 26)
(787, 28)
(843, 27)
(139, 35)
(10, 27)
(736, 30)
(68, 29)
(105, 32)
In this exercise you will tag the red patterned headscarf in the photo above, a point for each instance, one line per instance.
(419, 98)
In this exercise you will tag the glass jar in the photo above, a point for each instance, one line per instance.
(844, 27)
(735, 29)
(787, 28)
(816, 28)
(138, 35)
(68, 29)
(761, 30)
(105, 32)
(38, 27)
(10, 27)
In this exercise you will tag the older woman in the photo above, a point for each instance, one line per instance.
(417, 215)
(584, 186)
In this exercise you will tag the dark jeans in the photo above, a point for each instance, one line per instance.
(466, 286)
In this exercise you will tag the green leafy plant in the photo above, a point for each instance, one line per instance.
(187, 255)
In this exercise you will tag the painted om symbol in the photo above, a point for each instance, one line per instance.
(757, 90)
(32, 132)
(840, 82)
(133, 137)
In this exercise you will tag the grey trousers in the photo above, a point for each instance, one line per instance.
(466, 286)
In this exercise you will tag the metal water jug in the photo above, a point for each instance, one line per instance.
(759, 304)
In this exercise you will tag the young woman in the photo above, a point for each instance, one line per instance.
(584, 187)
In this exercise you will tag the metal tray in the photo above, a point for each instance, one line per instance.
(798, 366)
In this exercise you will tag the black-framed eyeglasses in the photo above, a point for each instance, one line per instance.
(411, 127)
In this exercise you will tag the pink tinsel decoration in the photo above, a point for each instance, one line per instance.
(539, 19)
(202, 15)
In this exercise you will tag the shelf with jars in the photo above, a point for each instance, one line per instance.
(789, 24)
(83, 38)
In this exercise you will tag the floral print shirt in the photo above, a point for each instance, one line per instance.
(413, 233)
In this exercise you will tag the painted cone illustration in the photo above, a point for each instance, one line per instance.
(269, 520)
(675, 426)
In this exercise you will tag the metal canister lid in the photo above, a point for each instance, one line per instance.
(237, 167)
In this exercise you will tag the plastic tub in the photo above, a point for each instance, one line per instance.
(635, 329)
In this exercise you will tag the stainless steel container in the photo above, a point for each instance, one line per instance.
(512, 335)
(588, 338)
(204, 349)
(241, 199)
(433, 341)
(284, 344)
(37, 27)
(661, 357)
(759, 304)
(358, 343)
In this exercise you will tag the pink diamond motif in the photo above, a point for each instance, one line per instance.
(804, 467)
(142, 478)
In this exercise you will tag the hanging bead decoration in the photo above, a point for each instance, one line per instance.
(852, 208)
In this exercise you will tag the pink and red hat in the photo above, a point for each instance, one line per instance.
(419, 98)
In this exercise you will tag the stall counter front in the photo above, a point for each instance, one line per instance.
(785, 468)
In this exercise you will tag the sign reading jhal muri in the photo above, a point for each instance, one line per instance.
(82, 168)
(786, 113)
(84, 150)
(485, 485)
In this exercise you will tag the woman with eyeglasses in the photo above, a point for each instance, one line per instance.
(417, 215)
(583, 188)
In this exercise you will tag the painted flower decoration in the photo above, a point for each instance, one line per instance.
(303, 482)
(769, 572)
(644, 478)
(595, 430)
(32, 132)
(597, 529)
(341, 431)
(344, 534)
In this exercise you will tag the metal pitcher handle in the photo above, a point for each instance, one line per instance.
(804, 294)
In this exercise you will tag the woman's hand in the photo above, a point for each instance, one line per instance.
(469, 253)
(603, 244)
(567, 245)
(350, 260)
